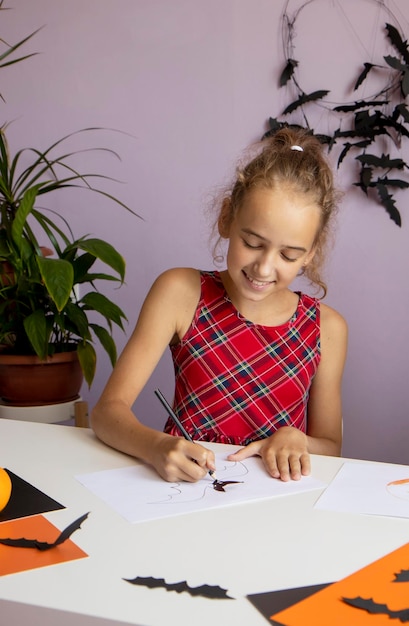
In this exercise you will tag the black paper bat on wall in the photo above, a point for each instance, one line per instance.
(384, 115)
(206, 591)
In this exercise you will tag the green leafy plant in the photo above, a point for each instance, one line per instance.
(7, 56)
(40, 309)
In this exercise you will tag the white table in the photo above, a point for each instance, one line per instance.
(250, 548)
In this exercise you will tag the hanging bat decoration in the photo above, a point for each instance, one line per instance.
(375, 608)
(304, 99)
(362, 76)
(396, 41)
(205, 591)
(288, 72)
(384, 116)
(43, 545)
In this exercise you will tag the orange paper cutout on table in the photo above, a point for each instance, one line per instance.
(377, 582)
(14, 559)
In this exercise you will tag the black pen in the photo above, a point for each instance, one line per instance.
(178, 423)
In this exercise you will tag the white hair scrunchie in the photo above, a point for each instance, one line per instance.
(298, 148)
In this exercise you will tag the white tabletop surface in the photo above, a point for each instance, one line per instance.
(259, 546)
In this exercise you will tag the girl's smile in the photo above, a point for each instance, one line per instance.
(258, 285)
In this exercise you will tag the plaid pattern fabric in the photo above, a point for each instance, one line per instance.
(236, 381)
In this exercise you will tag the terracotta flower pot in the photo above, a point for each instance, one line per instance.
(28, 381)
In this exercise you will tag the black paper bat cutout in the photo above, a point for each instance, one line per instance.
(287, 72)
(359, 104)
(219, 485)
(396, 40)
(364, 74)
(304, 98)
(205, 591)
(348, 146)
(395, 63)
(43, 545)
(383, 161)
(402, 577)
(275, 125)
(375, 608)
(402, 110)
(388, 202)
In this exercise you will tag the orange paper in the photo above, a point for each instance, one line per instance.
(375, 581)
(13, 559)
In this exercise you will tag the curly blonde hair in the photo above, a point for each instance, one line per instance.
(302, 168)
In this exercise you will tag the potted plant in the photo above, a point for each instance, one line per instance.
(42, 312)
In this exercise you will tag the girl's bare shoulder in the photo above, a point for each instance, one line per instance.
(332, 322)
(179, 281)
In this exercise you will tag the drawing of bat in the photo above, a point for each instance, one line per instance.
(375, 608)
(205, 591)
(219, 485)
(402, 577)
(43, 545)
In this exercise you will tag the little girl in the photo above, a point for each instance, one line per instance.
(256, 364)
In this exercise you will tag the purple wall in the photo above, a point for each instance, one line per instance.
(193, 82)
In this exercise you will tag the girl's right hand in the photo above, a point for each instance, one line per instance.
(176, 459)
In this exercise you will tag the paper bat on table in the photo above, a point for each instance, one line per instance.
(43, 545)
(206, 591)
(375, 608)
(402, 577)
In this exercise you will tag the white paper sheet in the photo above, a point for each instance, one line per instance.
(139, 494)
(369, 488)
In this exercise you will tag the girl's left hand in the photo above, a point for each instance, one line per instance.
(284, 454)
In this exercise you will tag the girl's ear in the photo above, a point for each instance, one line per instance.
(225, 219)
(309, 257)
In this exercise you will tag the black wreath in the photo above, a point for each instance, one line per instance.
(384, 114)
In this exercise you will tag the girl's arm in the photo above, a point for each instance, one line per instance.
(324, 425)
(165, 315)
(286, 453)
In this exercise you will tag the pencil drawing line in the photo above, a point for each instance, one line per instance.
(238, 469)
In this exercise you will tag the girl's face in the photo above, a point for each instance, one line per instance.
(270, 239)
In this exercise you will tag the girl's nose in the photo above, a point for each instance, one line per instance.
(266, 267)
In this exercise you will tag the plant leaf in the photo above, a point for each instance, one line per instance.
(24, 209)
(35, 326)
(108, 309)
(105, 253)
(58, 277)
(88, 361)
(77, 321)
(106, 341)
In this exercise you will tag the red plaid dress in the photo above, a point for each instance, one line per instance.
(236, 381)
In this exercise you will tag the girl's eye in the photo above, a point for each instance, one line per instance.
(289, 259)
(248, 245)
